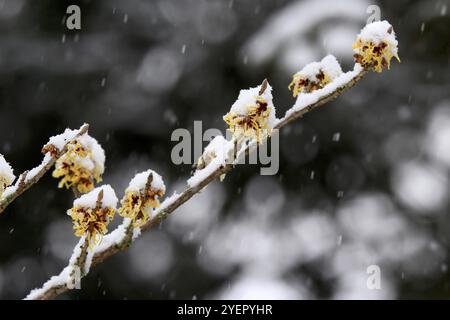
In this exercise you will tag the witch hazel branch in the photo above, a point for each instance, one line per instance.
(252, 121)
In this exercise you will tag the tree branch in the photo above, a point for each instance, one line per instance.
(172, 203)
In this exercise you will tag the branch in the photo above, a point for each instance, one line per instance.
(120, 238)
(30, 177)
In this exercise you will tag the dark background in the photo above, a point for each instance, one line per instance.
(362, 181)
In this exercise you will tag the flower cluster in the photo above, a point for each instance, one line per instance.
(82, 164)
(253, 114)
(315, 75)
(375, 46)
(142, 197)
(6, 174)
(92, 212)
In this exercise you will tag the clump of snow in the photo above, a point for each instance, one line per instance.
(6, 172)
(89, 200)
(140, 180)
(379, 31)
(310, 71)
(331, 66)
(215, 156)
(328, 66)
(136, 233)
(247, 100)
(60, 140)
(218, 148)
(97, 153)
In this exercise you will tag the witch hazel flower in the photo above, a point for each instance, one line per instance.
(6, 174)
(142, 197)
(315, 75)
(82, 164)
(375, 46)
(253, 114)
(92, 212)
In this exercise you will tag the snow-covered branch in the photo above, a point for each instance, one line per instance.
(119, 239)
(252, 120)
(53, 150)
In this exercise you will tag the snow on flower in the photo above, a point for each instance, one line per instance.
(81, 165)
(218, 148)
(253, 113)
(57, 143)
(142, 197)
(214, 156)
(307, 99)
(6, 174)
(315, 75)
(92, 212)
(375, 46)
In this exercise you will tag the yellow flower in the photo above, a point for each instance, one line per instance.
(6, 175)
(301, 84)
(142, 197)
(315, 75)
(92, 212)
(81, 165)
(375, 46)
(253, 114)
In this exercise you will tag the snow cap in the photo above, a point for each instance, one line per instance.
(140, 180)
(89, 200)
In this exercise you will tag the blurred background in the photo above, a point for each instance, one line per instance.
(363, 181)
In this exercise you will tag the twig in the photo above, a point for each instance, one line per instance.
(178, 200)
(24, 183)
